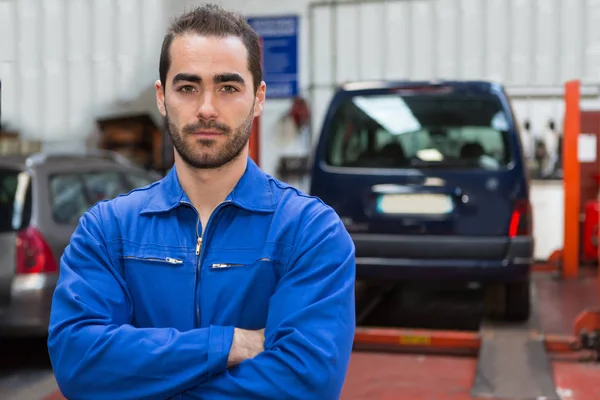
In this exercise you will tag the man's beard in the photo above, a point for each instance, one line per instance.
(192, 151)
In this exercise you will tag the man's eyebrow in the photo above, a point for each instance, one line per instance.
(229, 77)
(182, 76)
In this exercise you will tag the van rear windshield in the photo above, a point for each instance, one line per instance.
(392, 130)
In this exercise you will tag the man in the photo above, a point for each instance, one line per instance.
(217, 282)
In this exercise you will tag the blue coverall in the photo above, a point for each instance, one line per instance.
(146, 304)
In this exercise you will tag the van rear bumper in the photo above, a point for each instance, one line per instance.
(443, 257)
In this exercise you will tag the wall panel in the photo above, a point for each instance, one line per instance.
(63, 63)
(520, 43)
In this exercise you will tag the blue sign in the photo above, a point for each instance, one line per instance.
(279, 37)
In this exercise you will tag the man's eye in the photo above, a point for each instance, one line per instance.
(229, 89)
(186, 89)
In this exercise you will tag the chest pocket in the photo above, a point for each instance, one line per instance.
(161, 281)
(237, 284)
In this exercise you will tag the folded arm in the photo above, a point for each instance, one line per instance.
(95, 351)
(310, 327)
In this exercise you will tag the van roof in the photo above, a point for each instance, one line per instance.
(476, 85)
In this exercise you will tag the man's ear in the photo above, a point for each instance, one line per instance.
(160, 98)
(259, 104)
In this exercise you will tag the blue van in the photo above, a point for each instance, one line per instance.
(431, 182)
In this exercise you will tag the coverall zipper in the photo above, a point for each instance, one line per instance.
(199, 239)
(198, 253)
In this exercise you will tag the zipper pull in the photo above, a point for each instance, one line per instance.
(199, 245)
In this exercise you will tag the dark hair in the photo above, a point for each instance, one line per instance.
(213, 20)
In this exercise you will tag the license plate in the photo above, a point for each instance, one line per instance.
(415, 204)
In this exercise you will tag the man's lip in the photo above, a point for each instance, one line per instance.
(207, 133)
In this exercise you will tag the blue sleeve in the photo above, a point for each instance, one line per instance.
(310, 327)
(95, 351)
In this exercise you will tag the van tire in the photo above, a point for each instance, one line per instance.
(509, 301)
(517, 301)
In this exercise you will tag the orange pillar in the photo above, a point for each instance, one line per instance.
(571, 180)
(255, 141)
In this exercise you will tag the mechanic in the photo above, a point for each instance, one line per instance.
(218, 281)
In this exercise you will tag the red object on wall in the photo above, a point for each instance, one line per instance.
(300, 112)
(590, 232)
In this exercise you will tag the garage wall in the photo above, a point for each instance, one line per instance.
(528, 45)
(62, 62)
(65, 62)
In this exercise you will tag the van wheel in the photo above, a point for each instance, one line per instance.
(509, 301)
(517, 301)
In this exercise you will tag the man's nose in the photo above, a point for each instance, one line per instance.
(207, 109)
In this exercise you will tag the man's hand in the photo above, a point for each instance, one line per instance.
(246, 344)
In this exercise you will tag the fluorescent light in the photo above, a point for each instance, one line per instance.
(499, 122)
(390, 112)
(430, 155)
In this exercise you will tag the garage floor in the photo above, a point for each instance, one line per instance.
(382, 376)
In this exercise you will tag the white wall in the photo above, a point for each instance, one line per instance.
(521, 43)
(547, 201)
(65, 62)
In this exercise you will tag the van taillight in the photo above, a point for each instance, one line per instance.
(33, 253)
(521, 219)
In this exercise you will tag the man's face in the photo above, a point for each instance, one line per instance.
(209, 100)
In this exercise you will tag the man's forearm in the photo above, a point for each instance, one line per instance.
(101, 362)
(296, 370)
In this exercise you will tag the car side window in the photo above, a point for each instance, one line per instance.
(67, 198)
(135, 181)
(72, 194)
(103, 185)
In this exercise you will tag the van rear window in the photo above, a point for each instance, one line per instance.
(392, 130)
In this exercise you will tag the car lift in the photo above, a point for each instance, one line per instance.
(498, 346)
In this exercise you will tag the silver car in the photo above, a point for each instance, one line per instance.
(42, 198)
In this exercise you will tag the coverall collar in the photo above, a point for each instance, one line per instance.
(252, 192)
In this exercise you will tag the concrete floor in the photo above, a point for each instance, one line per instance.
(421, 377)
